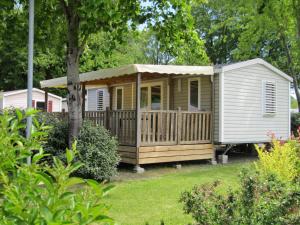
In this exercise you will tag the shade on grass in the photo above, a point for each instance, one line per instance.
(151, 200)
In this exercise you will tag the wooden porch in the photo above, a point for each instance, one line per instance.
(165, 135)
(145, 135)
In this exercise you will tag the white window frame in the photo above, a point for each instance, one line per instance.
(264, 112)
(149, 85)
(116, 98)
(97, 95)
(199, 92)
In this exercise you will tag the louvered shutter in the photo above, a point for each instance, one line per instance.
(269, 98)
(33, 103)
(100, 100)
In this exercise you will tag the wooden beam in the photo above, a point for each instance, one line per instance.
(110, 92)
(171, 92)
(46, 100)
(138, 113)
(212, 109)
(83, 100)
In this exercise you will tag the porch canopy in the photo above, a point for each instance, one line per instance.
(148, 70)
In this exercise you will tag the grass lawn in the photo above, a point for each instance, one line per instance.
(153, 196)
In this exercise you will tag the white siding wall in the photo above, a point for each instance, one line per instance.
(92, 99)
(20, 100)
(244, 120)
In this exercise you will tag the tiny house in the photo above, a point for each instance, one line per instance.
(18, 99)
(169, 113)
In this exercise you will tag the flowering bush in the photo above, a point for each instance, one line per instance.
(282, 160)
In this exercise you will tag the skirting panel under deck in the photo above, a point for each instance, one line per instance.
(174, 153)
(128, 154)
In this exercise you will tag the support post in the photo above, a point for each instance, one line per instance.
(138, 109)
(110, 92)
(83, 100)
(46, 100)
(171, 93)
(138, 116)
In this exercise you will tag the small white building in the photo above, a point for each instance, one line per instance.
(18, 99)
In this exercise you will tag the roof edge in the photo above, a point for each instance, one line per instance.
(252, 62)
(33, 89)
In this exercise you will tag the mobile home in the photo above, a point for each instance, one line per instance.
(169, 113)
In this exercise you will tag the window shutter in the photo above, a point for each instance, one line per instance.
(100, 100)
(50, 105)
(33, 103)
(269, 97)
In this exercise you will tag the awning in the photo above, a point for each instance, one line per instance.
(132, 69)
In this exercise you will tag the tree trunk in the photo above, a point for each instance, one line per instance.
(73, 56)
(296, 6)
(291, 69)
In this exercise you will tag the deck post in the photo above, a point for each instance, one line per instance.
(171, 93)
(138, 119)
(46, 100)
(83, 100)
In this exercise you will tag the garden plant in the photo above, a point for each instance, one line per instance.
(38, 193)
(269, 193)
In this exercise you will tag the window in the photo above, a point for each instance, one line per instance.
(151, 96)
(194, 94)
(40, 105)
(100, 100)
(269, 97)
(144, 97)
(119, 98)
(155, 97)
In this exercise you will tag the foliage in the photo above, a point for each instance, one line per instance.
(37, 194)
(282, 160)
(294, 103)
(295, 123)
(97, 149)
(99, 152)
(258, 201)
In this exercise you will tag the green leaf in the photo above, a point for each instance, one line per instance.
(45, 179)
(74, 181)
(69, 155)
(46, 213)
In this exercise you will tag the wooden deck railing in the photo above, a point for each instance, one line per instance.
(175, 127)
(162, 127)
(121, 123)
(159, 127)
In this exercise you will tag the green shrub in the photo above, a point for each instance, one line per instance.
(259, 200)
(97, 149)
(295, 123)
(37, 194)
(99, 152)
(282, 160)
(57, 140)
